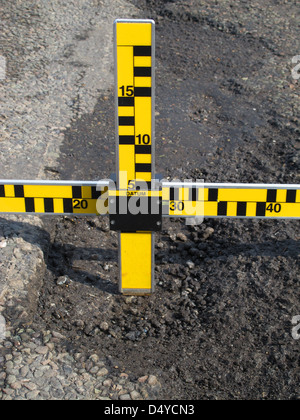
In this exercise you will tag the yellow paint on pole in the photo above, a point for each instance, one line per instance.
(136, 263)
(135, 108)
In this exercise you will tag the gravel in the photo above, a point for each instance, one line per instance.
(33, 369)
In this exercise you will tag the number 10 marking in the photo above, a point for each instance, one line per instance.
(145, 139)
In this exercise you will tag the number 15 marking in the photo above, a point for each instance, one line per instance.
(127, 90)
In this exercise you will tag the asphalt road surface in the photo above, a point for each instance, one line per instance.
(220, 323)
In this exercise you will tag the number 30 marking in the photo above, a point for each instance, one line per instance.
(176, 206)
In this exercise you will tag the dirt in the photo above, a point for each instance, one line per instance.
(220, 323)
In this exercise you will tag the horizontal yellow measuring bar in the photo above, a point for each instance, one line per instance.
(55, 190)
(177, 200)
(228, 200)
(46, 197)
(231, 209)
(48, 205)
(238, 194)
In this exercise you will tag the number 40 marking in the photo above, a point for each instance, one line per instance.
(274, 208)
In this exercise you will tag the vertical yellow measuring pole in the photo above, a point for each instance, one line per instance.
(134, 81)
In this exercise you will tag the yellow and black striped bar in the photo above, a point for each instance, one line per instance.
(231, 200)
(196, 199)
(46, 197)
(134, 81)
(134, 55)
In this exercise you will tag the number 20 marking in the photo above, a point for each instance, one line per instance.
(80, 204)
